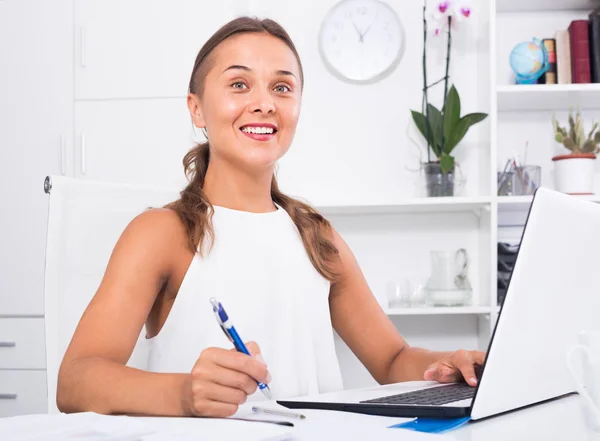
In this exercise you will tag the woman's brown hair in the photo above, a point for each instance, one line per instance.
(195, 210)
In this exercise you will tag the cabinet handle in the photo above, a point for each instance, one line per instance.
(63, 154)
(7, 344)
(83, 159)
(82, 54)
(8, 396)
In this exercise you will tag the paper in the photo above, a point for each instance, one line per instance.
(203, 429)
(74, 427)
(319, 425)
(91, 426)
(327, 425)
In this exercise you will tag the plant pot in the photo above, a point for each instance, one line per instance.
(438, 183)
(574, 174)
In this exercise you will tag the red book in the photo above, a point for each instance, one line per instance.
(580, 51)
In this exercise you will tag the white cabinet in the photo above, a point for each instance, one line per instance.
(22, 392)
(133, 141)
(36, 90)
(22, 343)
(142, 48)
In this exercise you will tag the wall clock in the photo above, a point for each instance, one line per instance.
(361, 41)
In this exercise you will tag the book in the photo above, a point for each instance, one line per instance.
(563, 57)
(594, 36)
(550, 75)
(580, 52)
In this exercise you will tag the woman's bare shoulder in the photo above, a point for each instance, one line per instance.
(162, 222)
(157, 232)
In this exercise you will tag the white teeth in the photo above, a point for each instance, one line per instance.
(258, 130)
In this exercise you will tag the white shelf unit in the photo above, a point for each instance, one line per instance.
(450, 310)
(547, 96)
(544, 5)
(416, 205)
(511, 203)
(523, 113)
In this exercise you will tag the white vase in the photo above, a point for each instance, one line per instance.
(574, 173)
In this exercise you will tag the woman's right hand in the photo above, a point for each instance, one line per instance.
(222, 379)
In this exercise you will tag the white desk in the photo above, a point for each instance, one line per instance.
(560, 420)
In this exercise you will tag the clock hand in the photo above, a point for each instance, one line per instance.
(366, 30)
(369, 27)
(360, 37)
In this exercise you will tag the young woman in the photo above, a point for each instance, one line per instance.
(285, 276)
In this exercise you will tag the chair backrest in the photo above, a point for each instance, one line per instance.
(85, 220)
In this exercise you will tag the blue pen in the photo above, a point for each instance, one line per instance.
(227, 327)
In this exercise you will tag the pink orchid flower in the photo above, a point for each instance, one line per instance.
(458, 10)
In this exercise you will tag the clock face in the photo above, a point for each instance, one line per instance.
(361, 41)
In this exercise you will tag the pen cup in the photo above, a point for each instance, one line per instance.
(506, 183)
(527, 179)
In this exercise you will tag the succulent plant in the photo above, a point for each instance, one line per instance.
(575, 138)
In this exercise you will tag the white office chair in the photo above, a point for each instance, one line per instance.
(85, 220)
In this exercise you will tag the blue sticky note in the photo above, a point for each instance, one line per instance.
(432, 425)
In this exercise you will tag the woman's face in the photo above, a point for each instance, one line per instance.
(251, 100)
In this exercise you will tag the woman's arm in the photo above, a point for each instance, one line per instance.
(370, 334)
(93, 375)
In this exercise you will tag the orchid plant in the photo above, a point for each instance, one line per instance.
(444, 129)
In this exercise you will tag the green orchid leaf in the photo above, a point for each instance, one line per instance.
(457, 134)
(451, 112)
(476, 117)
(446, 163)
(435, 121)
(421, 123)
(461, 129)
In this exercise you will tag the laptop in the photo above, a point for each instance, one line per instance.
(553, 293)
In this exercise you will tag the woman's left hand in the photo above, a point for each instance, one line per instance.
(455, 367)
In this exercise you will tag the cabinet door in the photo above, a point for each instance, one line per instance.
(133, 141)
(22, 392)
(36, 90)
(142, 48)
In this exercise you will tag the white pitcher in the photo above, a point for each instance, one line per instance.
(449, 283)
(588, 351)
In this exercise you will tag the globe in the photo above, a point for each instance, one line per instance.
(529, 61)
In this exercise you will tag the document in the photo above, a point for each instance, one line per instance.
(95, 427)
(319, 425)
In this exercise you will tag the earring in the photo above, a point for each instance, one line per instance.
(204, 132)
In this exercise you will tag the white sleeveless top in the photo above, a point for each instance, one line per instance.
(260, 271)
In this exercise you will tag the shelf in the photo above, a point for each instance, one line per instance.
(450, 310)
(428, 205)
(515, 203)
(547, 96)
(544, 5)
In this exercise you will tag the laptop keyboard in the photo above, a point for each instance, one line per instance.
(431, 396)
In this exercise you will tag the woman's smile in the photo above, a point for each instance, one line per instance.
(259, 131)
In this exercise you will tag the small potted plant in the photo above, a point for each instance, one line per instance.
(574, 171)
(445, 130)
(442, 129)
